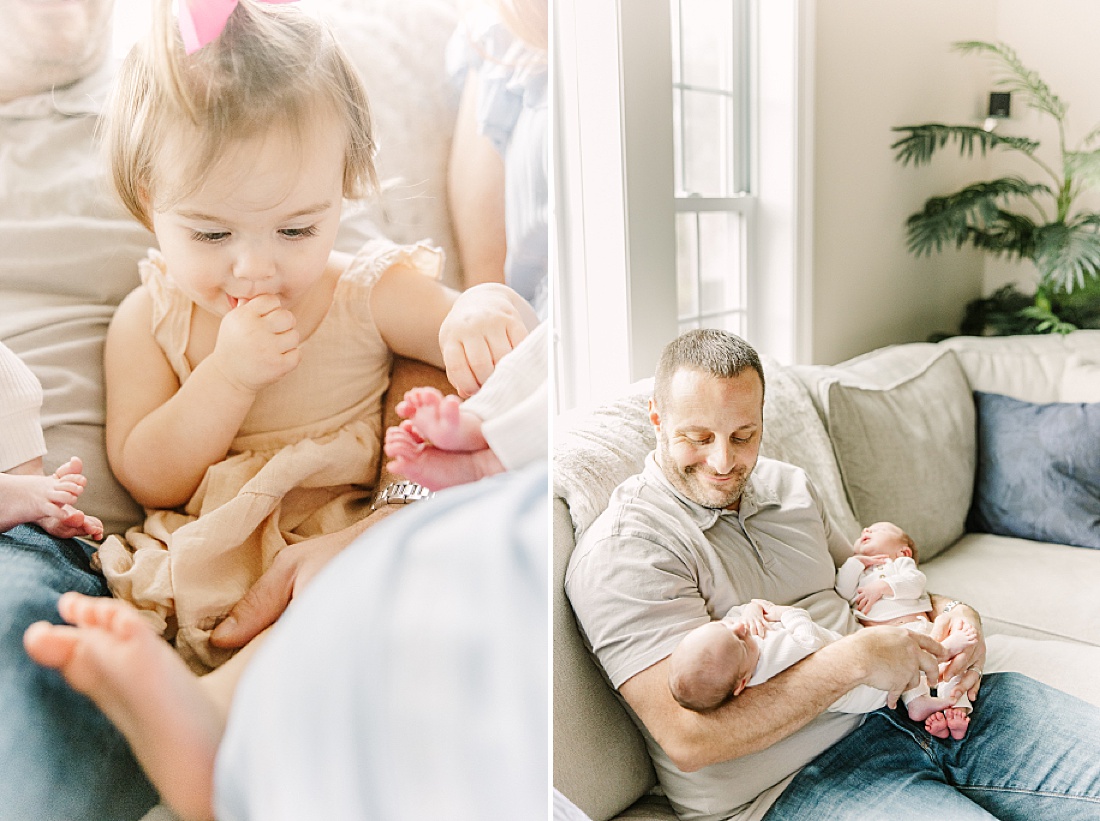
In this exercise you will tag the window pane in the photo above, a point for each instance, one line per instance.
(687, 265)
(706, 31)
(721, 262)
(706, 126)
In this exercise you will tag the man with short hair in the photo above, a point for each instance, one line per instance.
(708, 524)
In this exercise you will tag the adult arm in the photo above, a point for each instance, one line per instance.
(475, 191)
(887, 658)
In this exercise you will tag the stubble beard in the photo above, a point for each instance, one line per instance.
(688, 482)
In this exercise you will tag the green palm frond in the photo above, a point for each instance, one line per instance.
(1066, 254)
(1083, 165)
(968, 213)
(1008, 234)
(1047, 322)
(1018, 78)
(922, 141)
(1091, 137)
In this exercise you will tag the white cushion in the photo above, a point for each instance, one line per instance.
(1029, 368)
(1081, 379)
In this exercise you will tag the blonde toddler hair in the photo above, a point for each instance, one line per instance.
(273, 65)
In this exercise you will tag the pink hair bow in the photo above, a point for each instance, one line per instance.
(201, 21)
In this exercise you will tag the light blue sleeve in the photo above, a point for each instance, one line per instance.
(410, 680)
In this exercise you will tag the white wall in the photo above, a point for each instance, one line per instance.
(878, 65)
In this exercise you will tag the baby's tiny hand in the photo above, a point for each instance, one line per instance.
(868, 594)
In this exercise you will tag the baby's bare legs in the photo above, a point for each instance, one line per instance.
(441, 420)
(432, 467)
(138, 681)
(29, 497)
(952, 721)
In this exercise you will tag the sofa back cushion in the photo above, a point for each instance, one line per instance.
(901, 422)
(1031, 368)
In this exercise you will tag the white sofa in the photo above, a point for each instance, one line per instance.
(888, 435)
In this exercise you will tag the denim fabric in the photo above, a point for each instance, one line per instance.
(62, 759)
(1031, 753)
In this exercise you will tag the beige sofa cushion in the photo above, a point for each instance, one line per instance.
(1030, 368)
(1024, 588)
(1081, 379)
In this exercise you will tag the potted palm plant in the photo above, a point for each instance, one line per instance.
(1038, 220)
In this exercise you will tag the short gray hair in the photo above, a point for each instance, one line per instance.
(718, 353)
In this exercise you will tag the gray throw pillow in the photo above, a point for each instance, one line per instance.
(1038, 470)
(906, 451)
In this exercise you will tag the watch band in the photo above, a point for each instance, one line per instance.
(951, 605)
(401, 493)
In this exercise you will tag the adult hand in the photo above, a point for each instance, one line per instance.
(485, 323)
(257, 343)
(970, 662)
(292, 570)
(892, 658)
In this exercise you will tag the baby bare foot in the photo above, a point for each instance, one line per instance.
(936, 724)
(138, 681)
(959, 639)
(922, 707)
(28, 498)
(441, 420)
(957, 722)
(431, 467)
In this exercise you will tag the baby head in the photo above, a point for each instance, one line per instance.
(885, 539)
(711, 664)
(175, 118)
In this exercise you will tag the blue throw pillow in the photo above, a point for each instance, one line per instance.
(1038, 470)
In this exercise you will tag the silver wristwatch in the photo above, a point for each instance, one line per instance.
(400, 493)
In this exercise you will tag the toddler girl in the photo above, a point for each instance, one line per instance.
(245, 375)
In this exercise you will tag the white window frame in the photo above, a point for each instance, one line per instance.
(615, 304)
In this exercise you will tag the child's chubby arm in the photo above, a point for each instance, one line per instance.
(161, 436)
(466, 334)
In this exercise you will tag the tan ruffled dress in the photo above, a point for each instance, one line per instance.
(301, 466)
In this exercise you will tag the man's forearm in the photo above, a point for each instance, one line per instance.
(753, 721)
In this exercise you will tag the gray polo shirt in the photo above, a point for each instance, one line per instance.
(655, 565)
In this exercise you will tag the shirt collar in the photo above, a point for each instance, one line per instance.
(757, 495)
(84, 98)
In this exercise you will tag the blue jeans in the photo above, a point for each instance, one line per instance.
(1031, 753)
(62, 759)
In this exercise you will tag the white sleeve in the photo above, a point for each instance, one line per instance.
(514, 404)
(904, 579)
(21, 436)
(847, 578)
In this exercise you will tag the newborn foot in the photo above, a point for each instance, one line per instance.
(441, 420)
(431, 467)
(139, 682)
(957, 721)
(936, 724)
(959, 639)
(46, 501)
(922, 707)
